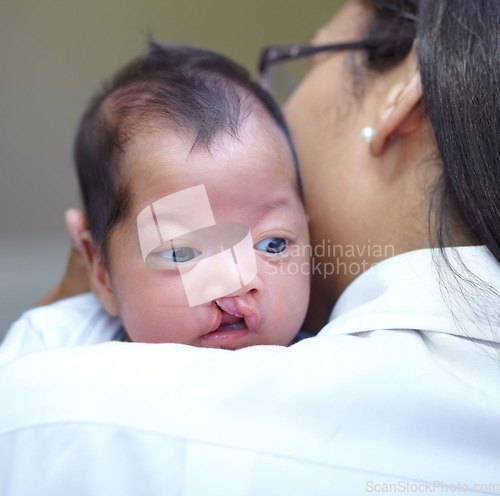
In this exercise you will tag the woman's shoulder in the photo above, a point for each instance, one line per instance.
(76, 321)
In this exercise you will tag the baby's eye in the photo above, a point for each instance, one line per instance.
(180, 255)
(272, 245)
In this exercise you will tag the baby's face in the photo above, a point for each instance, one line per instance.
(250, 181)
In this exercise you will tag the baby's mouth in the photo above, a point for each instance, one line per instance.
(230, 331)
(237, 320)
(230, 322)
(239, 311)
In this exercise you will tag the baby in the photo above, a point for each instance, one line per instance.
(197, 231)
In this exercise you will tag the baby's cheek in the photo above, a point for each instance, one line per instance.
(151, 304)
(166, 323)
(141, 323)
(299, 302)
(290, 300)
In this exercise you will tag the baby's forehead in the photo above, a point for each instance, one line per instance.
(257, 131)
(163, 162)
(163, 146)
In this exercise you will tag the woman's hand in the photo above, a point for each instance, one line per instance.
(75, 279)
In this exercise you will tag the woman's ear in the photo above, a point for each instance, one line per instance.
(98, 272)
(402, 115)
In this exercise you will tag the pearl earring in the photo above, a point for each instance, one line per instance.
(367, 134)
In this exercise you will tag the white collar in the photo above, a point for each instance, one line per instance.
(417, 290)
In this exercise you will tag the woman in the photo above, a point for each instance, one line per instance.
(397, 138)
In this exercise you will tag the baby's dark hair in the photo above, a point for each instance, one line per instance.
(191, 90)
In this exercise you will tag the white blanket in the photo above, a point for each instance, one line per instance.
(399, 393)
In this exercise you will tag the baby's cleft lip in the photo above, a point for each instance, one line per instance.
(241, 306)
(218, 322)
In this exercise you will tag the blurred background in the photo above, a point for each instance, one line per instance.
(54, 54)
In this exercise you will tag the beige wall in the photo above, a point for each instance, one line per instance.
(54, 54)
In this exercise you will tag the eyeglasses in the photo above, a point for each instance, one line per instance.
(280, 80)
(280, 77)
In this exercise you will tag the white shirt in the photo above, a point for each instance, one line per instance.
(400, 392)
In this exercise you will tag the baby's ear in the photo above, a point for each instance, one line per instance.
(100, 282)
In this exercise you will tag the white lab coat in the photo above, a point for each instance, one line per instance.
(399, 393)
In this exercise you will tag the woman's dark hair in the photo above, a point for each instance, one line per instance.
(193, 91)
(458, 46)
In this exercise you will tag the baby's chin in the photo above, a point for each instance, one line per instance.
(235, 333)
(208, 326)
(229, 332)
(166, 323)
(227, 336)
